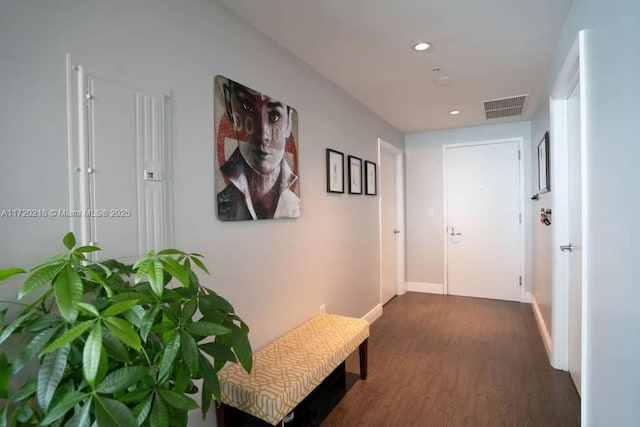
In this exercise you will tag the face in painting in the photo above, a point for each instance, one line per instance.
(267, 124)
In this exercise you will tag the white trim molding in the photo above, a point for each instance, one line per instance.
(426, 288)
(542, 326)
(374, 314)
(526, 297)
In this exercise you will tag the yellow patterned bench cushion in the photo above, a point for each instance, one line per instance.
(289, 368)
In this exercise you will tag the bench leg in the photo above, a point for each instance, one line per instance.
(223, 415)
(363, 359)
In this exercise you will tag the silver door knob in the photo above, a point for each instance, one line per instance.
(568, 247)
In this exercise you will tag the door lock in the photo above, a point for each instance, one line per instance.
(453, 232)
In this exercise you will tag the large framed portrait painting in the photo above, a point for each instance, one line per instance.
(256, 154)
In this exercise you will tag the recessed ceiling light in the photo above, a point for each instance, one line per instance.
(443, 81)
(420, 46)
(454, 112)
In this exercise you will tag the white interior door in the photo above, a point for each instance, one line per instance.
(575, 237)
(483, 200)
(389, 226)
(119, 187)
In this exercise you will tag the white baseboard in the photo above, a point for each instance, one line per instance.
(374, 314)
(544, 331)
(402, 289)
(527, 297)
(427, 288)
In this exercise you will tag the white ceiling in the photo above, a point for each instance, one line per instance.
(489, 48)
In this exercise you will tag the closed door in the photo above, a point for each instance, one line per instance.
(483, 230)
(389, 230)
(575, 237)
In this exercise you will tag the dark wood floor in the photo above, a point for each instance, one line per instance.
(452, 361)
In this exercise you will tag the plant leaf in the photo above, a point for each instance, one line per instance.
(147, 322)
(69, 240)
(142, 409)
(91, 355)
(189, 351)
(86, 249)
(142, 268)
(199, 263)
(111, 413)
(137, 395)
(124, 331)
(205, 400)
(213, 302)
(121, 379)
(178, 400)
(63, 405)
(67, 287)
(189, 310)
(206, 329)
(218, 351)
(156, 277)
(43, 322)
(168, 357)
(5, 376)
(171, 251)
(88, 308)
(28, 352)
(210, 377)
(114, 347)
(50, 374)
(242, 347)
(159, 414)
(68, 336)
(143, 260)
(119, 307)
(10, 272)
(23, 392)
(39, 277)
(176, 270)
(81, 416)
(6, 333)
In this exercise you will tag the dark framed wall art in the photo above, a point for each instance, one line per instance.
(543, 165)
(371, 181)
(355, 175)
(335, 171)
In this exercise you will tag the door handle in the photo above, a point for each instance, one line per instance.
(453, 232)
(396, 231)
(568, 247)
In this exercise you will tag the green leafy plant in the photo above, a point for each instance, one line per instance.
(114, 344)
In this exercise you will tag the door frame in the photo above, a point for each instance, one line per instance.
(520, 141)
(571, 74)
(401, 285)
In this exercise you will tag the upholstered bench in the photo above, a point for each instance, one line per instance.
(289, 368)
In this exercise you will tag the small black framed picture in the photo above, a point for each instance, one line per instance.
(355, 175)
(371, 181)
(543, 165)
(335, 171)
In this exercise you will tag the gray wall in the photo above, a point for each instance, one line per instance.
(613, 206)
(276, 273)
(424, 192)
(542, 235)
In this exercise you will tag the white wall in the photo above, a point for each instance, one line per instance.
(542, 249)
(276, 273)
(424, 192)
(612, 372)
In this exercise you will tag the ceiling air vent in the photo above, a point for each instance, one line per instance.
(505, 107)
